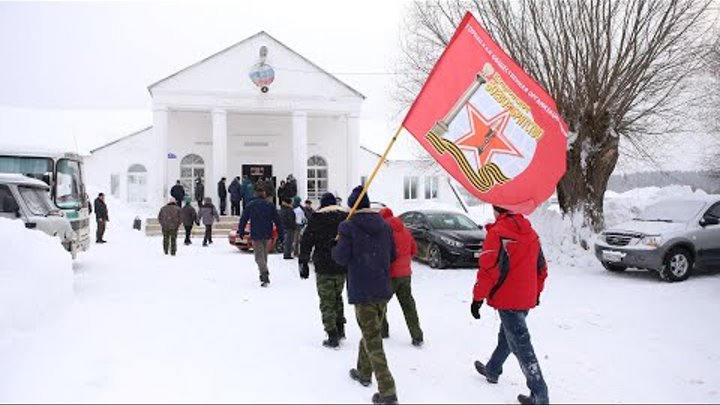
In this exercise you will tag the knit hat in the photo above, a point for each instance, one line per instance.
(327, 199)
(386, 213)
(187, 199)
(296, 201)
(364, 203)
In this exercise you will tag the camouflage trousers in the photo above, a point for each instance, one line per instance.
(330, 288)
(371, 356)
(170, 240)
(403, 291)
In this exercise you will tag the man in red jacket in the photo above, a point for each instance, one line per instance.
(511, 277)
(400, 273)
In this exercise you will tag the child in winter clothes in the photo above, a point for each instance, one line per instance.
(400, 273)
(208, 215)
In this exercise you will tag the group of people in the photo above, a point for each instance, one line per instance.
(371, 252)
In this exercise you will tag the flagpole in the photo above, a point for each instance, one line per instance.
(372, 176)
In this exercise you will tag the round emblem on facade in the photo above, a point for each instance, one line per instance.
(261, 73)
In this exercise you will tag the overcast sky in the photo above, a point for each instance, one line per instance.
(102, 55)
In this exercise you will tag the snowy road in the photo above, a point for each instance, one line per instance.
(198, 328)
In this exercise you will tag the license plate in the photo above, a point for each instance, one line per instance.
(476, 255)
(612, 256)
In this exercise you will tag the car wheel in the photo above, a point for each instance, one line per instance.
(435, 259)
(614, 267)
(678, 265)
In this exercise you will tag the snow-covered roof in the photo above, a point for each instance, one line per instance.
(15, 178)
(121, 139)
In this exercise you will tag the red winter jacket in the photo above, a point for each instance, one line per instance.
(512, 266)
(405, 245)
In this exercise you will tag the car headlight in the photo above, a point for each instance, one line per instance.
(451, 242)
(651, 240)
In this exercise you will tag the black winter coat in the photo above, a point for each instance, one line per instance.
(291, 189)
(199, 192)
(287, 217)
(189, 215)
(222, 190)
(101, 211)
(235, 190)
(178, 192)
(319, 238)
(367, 247)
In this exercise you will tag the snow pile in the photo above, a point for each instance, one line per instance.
(622, 207)
(36, 277)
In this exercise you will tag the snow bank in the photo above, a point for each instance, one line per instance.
(36, 277)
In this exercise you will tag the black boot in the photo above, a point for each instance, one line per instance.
(341, 330)
(483, 371)
(355, 375)
(379, 399)
(525, 400)
(333, 341)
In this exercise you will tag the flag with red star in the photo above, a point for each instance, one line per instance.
(489, 124)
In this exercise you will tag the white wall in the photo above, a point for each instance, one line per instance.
(117, 159)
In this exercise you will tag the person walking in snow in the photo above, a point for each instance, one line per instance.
(222, 195)
(400, 273)
(170, 218)
(300, 222)
(511, 277)
(262, 214)
(235, 190)
(318, 241)
(366, 246)
(287, 218)
(199, 191)
(101, 217)
(178, 192)
(190, 218)
(208, 215)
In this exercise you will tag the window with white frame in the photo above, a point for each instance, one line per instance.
(137, 184)
(431, 187)
(317, 177)
(410, 187)
(192, 167)
(115, 185)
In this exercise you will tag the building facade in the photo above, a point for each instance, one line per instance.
(256, 108)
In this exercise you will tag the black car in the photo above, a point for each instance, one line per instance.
(445, 238)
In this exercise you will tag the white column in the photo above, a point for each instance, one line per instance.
(300, 151)
(353, 152)
(159, 191)
(219, 154)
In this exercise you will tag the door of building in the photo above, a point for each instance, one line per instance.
(256, 172)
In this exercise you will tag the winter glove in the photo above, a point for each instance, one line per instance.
(475, 308)
(304, 270)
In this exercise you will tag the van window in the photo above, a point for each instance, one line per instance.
(36, 199)
(7, 201)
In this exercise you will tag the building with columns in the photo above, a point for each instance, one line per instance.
(256, 108)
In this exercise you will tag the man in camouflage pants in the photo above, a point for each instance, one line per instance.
(318, 239)
(366, 246)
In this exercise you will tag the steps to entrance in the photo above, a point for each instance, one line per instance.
(220, 229)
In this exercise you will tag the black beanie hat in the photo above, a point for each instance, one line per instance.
(327, 199)
(364, 203)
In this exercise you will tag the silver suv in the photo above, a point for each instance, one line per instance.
(671, 237)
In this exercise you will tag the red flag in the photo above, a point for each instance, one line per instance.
(489, 124)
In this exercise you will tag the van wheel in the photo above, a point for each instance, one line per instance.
(677, 266)
(435, 259)
(615, 268)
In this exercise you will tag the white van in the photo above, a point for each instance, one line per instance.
(27, 199)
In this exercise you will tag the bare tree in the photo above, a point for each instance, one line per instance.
(713, 106)
(614, 67)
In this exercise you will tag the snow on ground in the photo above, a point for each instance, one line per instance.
(33, 287)
(145, 327)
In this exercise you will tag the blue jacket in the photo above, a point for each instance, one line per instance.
(248, 191)
(261, 215)
(367, 247)
(235, 190)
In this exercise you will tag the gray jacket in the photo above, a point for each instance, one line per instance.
(208, 213)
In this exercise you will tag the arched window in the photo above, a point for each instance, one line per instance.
(317, 177)
(192, 167)
(137, 184)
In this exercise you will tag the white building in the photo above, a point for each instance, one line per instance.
(239, 112)
(255, 108)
